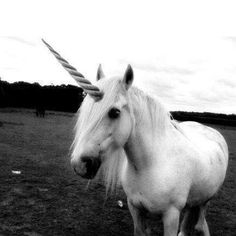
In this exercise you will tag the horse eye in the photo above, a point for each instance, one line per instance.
(114, 113)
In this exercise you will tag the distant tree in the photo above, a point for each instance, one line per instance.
(205, 117)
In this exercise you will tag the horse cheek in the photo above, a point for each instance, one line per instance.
(123, 131)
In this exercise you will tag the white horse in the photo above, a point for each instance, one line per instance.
(163, 166)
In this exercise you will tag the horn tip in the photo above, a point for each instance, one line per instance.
(44, 42)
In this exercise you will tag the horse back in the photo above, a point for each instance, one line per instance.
(205, 138)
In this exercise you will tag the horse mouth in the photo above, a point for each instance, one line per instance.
(92, 166)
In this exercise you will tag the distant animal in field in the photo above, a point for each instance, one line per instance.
(164, 167)
(40, 111)
(2, 94)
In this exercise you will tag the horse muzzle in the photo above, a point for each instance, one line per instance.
(87, 167)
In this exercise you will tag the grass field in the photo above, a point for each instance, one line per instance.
(46, 198)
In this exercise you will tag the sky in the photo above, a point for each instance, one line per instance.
(183, 52)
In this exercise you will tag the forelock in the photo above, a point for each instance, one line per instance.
(91, 111)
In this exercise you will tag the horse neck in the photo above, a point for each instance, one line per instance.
(147, 137)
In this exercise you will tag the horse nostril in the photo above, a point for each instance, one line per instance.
(87, 167)
(97, 163)
(88, 162)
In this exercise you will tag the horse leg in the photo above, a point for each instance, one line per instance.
(171, 221)
(201, 226)
(139, 220)
(194, 219)
(190, 219)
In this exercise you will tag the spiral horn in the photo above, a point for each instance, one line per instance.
(85, 84)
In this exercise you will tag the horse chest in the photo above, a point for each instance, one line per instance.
(146, 193)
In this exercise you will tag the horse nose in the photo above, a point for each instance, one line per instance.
(88, 162)
(79, 167)
(87, 167)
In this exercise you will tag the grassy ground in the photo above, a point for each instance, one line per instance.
(48, 199)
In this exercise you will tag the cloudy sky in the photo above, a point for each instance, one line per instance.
(183, 52)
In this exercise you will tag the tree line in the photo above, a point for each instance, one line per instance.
(68, 98)
(205, 117)
(59, 98)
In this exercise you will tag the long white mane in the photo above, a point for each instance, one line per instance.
(143, 107)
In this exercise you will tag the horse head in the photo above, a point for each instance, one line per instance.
(104, 125)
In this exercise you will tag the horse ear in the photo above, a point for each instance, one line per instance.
(100, 73)
(128, 77)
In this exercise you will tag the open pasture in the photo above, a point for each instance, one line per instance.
(46, 198)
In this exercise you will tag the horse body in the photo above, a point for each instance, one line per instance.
(189, 170)
(212, 158)
(164, 166)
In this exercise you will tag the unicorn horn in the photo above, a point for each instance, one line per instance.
(85, 84)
